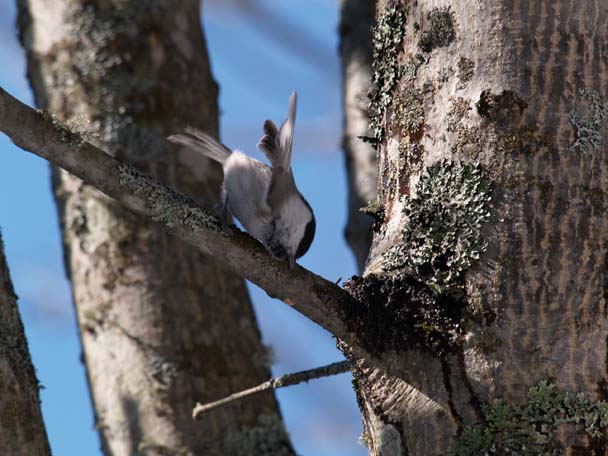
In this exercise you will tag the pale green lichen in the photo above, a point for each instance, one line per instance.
(387, 45)
(67, 135)
(165, 205)
(530, 429)
(268, 438)
(412, 65)
(364, 440)
(441, 238)
(102, 69)
(408, 113)
(373, 208)
(410, 157)
(587, 128)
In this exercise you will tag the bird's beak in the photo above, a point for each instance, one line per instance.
(292, 262)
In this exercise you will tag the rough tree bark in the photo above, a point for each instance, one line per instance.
(503, 99)
(162, 326)
(22, 431)
(356, 21)
(486, 280)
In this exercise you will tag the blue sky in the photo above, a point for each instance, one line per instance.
(301, 49)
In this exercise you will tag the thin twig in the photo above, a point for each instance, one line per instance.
(275, 383)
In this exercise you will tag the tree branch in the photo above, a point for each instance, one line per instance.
(314, 297)
(276, 383)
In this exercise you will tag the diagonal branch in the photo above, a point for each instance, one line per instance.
(314, 297)
(275, 383)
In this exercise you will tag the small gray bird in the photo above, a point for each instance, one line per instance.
(265, 199)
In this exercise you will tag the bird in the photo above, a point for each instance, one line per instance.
(265, 199)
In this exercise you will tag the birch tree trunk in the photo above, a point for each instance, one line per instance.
(356, 21)
(22, 431)
(162, 326)
(490, 262)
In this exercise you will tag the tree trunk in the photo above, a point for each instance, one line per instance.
(356, 21)
(22, 431)
(162, 326)
(504, 100)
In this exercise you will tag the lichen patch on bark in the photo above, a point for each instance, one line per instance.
(440, 31)
(388, 41)
(532, 428)
(442, 236)
(588, 128)
(166, 206)
(466, 70)
(407, 113)
(375, 210)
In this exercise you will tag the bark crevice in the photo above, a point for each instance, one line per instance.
(447, 384)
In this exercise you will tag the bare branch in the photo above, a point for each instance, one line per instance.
(314, 297)
(275, 383)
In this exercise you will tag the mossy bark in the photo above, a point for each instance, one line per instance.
(356, 21)
(162, 326)
(520, 90)
(22, 431)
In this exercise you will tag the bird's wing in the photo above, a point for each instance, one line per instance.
(276, 143)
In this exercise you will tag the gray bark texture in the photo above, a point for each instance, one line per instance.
(486, 278)
(356, 22)
(504, 98)
(22, 431)
(162, 325)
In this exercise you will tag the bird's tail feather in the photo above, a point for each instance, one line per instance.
(203, 143)
(278, 143)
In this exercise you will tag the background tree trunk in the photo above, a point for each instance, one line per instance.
(22, 431)
(161, 325)
(356, 22)
(520, 88)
